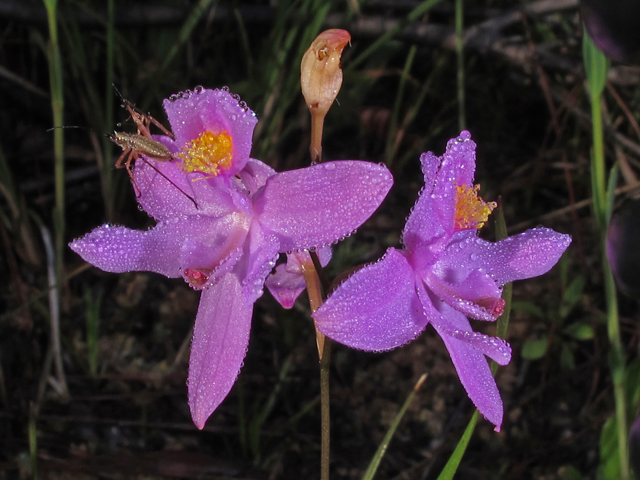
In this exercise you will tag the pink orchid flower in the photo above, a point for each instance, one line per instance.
(226, 242)
(444, 274)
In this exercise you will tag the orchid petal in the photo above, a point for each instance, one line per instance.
(321, 204)
(214, 111)
(529, 254)
(209, 241)
(376, 308)
(453, 323)
(468, 356)
(476, 295)
(120, 249)
(285, 286)
(259, 257)
(220, 339)
(165, 191)
(288, 282)
(255, 174)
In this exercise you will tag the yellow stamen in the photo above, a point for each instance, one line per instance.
(209, 154)
(471, 210)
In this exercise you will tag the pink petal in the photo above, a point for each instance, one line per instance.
(468, 355)
(209, 241)
(165, 191)
(287, 283)
(259, 258)
(376, 308)
(285, 286)
(220, 340)
(529, 254)
(215, 111)
(432, 218)
(120, 249)
(321, 204)
(255, 174)
(475, 295)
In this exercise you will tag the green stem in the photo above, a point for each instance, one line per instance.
(617, 366)
(57, 105)
(598, 172)
(107, 167)
(314, 291)
(596, 67)
(460, 64)
(325, 421)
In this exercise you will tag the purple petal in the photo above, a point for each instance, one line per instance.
(214, 111)
(287, 283)
(285, 286)
(220, 340)
(375, 309)
(423, 225)
(165, 191)
(260, 255)
(321, 204)
(526, 255)
(120, 249)
(433, 215)
(255, 174)
(453, 323)
(209, 241)
(468, 355)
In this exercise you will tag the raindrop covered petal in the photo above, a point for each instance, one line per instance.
(220, 340)
(375, 309)
(321, 204)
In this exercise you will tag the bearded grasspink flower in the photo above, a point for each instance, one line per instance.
(444, 274)
(246, 214)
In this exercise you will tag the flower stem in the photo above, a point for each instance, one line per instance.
(315, 149)
(314, 291)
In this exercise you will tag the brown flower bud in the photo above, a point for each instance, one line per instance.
(321, 75)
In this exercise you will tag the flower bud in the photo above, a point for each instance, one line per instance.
(623, 236)
(634, 446)
(320, 72)
(613, 26)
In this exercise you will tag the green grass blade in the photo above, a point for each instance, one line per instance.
(393, 126)
(416, 13)
(382, 448)
(188, 26)
(451, 467)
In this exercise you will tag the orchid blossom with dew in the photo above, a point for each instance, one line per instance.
(246, 215)
(444, 274)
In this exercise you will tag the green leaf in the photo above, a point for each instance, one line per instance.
(569, 472)
(596, 65)
(534, 349)
(609, 454)
(528, 308)
(579, 331)
(572, 296)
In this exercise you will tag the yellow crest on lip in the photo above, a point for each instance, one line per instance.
(208, 153)
(471, 210)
